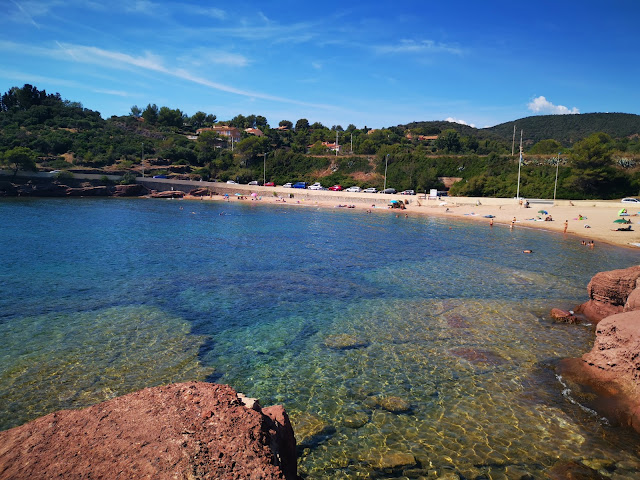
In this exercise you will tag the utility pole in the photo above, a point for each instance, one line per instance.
(513, 143)
(555, 187)
(386, 163)
(336, 143)
(519, 165)
(142, 160)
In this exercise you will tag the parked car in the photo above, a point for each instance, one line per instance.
(53, 172)
(630, 200)
(300, 185)
(336, 188)
(316, 186)
(269, 184)
(231, 182)
(389, 190)
(353, 189)
(408, 192)
(160, 176)
(287, 185)
(253, 182)
(370, 190)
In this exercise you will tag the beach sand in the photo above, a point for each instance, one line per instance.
(597, 221)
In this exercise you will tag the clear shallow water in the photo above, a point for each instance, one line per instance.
(452, 361)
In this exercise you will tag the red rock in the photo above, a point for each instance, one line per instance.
(188, 430)
(200, 192)
(88, 191)
(133, 190)
(168, 194)
(608, 292)
(563, 316)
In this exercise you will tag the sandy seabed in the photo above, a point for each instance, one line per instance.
(588, 220)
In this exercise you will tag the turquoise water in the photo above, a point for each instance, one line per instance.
(399, 346)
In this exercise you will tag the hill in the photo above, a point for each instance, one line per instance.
(568, 129)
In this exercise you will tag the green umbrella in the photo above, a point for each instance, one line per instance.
(544, 212)
(622, 210)
(620, 220)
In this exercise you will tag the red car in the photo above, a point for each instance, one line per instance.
(269, 184)
(336, 188)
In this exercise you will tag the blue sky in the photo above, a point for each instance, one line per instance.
(374, 64)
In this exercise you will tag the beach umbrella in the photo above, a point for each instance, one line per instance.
(620, 220)
(254, 194)
(544, 212)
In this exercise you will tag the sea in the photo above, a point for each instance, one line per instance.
(400, 347)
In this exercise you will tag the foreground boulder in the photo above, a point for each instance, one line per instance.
(612, 367)
(608, 293)
(188, 430)
(168, 194)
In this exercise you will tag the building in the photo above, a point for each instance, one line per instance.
(224, 130)
(254, 131)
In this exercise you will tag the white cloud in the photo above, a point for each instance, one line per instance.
(424, 46)
(542, 105)
(457, 120)
(316, 65)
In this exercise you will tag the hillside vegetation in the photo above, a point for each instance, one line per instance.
(598, 153)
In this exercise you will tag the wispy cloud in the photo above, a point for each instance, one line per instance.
(457, 120)
(542, 105)
(419, 47)
(22, 15)
(154, 63)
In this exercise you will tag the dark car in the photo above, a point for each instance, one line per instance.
(300, 185)
(160, 176)
(389, 190)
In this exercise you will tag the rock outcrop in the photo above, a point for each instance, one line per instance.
(133, 190)
(612, 367)
(608, 293)
(189, 430)
(168, 194)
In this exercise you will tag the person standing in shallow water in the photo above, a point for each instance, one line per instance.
(566, 225)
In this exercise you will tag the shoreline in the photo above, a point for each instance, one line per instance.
(587, 220)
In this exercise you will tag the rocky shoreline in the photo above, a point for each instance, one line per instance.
(608, 377)
(186, 430)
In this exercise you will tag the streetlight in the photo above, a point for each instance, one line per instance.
(386, 162)
(555, 187)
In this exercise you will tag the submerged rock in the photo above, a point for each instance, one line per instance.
(311, 430)
(394, 404)
(563, 316)
(186, 430)
(477, 355)
(344, 341)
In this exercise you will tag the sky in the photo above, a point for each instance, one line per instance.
(374, 64)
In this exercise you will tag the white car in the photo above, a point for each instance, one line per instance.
(316, 186)
(287, 185)
(370, 190)
(253, 182)
(630, 200)
(353, 189)
(231, 182)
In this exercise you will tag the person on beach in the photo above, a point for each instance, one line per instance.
(566, 225)
(491, 222)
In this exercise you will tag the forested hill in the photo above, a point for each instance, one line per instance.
(568, 129)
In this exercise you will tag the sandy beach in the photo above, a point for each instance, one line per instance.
(586, 219)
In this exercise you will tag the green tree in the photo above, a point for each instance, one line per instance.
(286, 123)
(136, 111)
(302, 124)
(20, 158)
(546, 147)
(150, 114)
(170, 118)
(448, 141)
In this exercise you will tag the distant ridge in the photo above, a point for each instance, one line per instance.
(566, 129)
